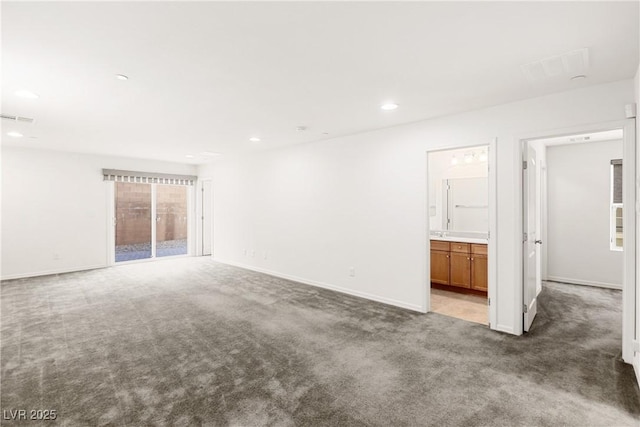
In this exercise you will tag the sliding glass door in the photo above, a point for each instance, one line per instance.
(171, 220)
(133, 221)
(151, 220)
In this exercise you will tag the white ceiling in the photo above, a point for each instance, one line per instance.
(207, 76)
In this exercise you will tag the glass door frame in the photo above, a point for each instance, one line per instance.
(111, 225)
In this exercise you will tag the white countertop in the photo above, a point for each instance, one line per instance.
(460, 239)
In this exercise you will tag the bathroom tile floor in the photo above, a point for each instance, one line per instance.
(472, 308)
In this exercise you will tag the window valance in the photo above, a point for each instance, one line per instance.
(147, 177)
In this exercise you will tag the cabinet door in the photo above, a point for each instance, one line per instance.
(479, 273)
(460, 269)
(440, 267)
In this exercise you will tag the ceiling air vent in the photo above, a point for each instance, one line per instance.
(17, 118)
(571, 64)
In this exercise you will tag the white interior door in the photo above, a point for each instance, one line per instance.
(530, 242)
(206, 217)
(540, 209)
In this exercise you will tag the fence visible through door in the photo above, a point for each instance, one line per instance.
(151, 221)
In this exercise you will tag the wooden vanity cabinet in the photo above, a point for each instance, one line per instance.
(460, 270)
(440, 262)
(479, 268)
(460, 265)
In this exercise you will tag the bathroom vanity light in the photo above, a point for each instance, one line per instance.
(469, 157)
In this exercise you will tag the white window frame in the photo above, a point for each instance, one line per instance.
(613, 232)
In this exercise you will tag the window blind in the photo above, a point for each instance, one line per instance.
(147, 177)
(616, 192)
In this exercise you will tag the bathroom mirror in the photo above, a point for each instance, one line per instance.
(465, 204)
(459, 190)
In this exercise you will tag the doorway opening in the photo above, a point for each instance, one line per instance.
(458, 237)
(572, 218)
(578, 221)
(151, 221)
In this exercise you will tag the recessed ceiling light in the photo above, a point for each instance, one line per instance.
(254, 139)
(15, 134)
(389, 106)
(121, 77)
(189, 156)
(27, 94)
(579, 77)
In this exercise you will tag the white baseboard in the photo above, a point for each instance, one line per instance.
(51, 272)
(365, 295)
(506, 329)
(583, 282)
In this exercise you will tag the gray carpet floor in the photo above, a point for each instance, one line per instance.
(193, 342)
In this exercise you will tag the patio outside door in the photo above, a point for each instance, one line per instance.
(150, 221)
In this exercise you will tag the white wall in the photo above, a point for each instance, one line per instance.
(54, 205)
(579, 194)
(317, 209)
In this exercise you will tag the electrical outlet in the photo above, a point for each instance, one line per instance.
(352, 272)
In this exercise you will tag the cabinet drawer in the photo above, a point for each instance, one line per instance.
(438, 245)
(460, 247)
(478, 249)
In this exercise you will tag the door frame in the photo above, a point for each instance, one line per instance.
(492, 246)
(111, 222)
(204, 213)
(629, 222)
